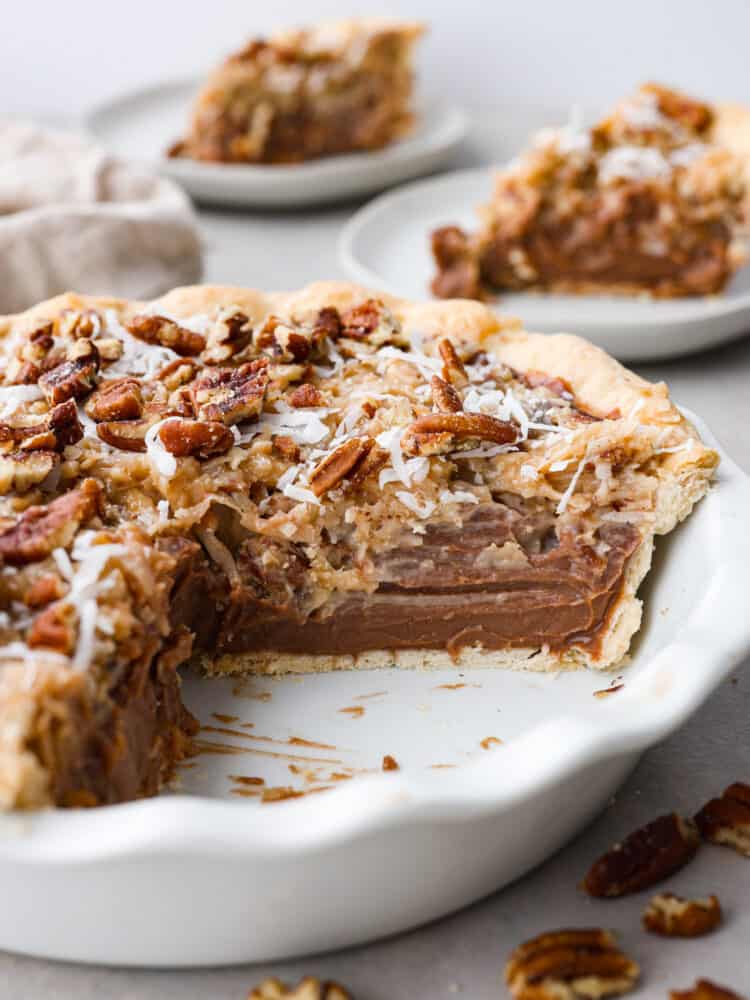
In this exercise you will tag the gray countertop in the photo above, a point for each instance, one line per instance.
(463, 954)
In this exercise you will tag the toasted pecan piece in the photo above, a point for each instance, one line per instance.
(73, 378)
(645, 857)
(44, 590)
(287, 447)
(39, 530)
(59, 428)
(370, 465)
(339, 464)
(118, 399)
(373, 322)
(556, 385)
(78, 323)
(308, 988)
(196, 437)
(439, 433)
(444, 396)
(283, 342)
(457, 263)
(127, 435)
(305, 395)
(178, 372)
(327, 324)
(704, 989)
(20, 470)
(726, 820)
(672, 916)
(231, 395)
(453, 368)
(54, 628)
(160, 330)
(694, 115)
(230, 334)
(570, 964)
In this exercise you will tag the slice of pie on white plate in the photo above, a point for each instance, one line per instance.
(300, 482)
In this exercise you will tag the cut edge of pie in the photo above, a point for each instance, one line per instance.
(238, 477)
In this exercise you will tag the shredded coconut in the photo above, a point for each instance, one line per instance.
(632, 163)
(423, 509)
(458, 496)
(12, 397)
(570, 490)
(164, 462)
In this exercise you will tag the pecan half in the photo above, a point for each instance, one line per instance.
(727, 820)
(119, 399)
(704, 989)
(371, 464)
(453, 368)
(568, 964)
(305, 395)
(439, 433)
(20, 470)
(127, 435)
(74, 378)
(194, 437)
(178, 372)
(54, 629)
(308, 988)
(373, 322)
(444, 396)
(282, 342)
(672, 916)
(160, 330)
(231, 333)
(231, 394)
(644, 858)
(59, 428)
(341, 463)
(39, 530)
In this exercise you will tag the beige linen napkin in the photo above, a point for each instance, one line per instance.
(74, 218)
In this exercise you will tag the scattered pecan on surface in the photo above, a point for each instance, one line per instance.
(570, 964)
(370, 465)
(160, 330)
(305, 395)
(58, 428)
(308, 988)
(373, 322)
(341, 463)
(178, 372)
(230, 334)
(444, 396)
(453, 368)
(281, 342)
(54, 628)
(118, 399)
(440, 433)
(726, 820)
(327, 324)
(390, 763)
(645, 857)
(20, 470)
(126, 435)
(44, 590)
(287, 447)
(196, 437)
(672, 916)
(231, 395)
(78, 323)
(73, 378)
(39, 530)
(704, 989)
(557, 386)
(457, 263)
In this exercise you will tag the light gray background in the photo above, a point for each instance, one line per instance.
(58, 58)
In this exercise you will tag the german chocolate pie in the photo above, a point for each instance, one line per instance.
(301, 482)
(298, 95)
(651, 199)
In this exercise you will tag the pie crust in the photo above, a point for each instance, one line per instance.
(301, 482)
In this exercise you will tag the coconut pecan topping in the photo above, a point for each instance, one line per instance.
(39, 530)
(119, 399)
(570, 964)
(672, 916)
(54, 628)
(704, 989)
(160, 330)
(308, 988)
(371, 321)
(440, 433)
(74, 378)
(444, 396)
(59, 428)
(229, 335)
(231, 395)
(194, 437)
(453, 369)
(645, 857)
(341, 463)
(20, 470)
(727, 820)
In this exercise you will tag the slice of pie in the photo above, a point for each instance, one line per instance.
(303, 482)
(334, 88)
(652, 199)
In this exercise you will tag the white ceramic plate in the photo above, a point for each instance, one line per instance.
(386, 245)
(205, 877)
(141, 125)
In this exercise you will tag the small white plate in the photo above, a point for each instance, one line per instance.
(204, 877)
(141, 125)
(387, 245)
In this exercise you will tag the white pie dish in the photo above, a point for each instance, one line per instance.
(386, 245)
(194, 879)
(139, 126)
